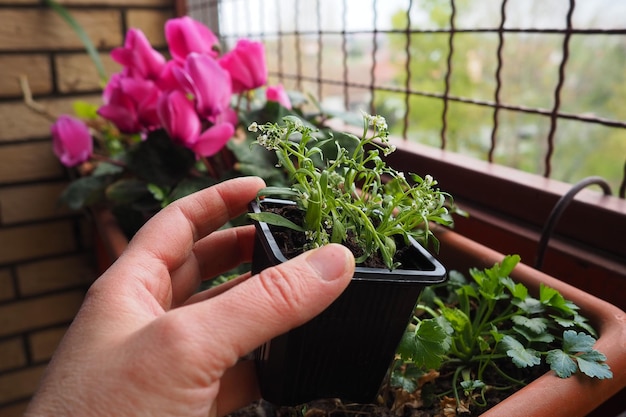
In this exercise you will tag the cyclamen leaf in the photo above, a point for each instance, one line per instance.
(561, 363)
(522, 357)
(574, 342)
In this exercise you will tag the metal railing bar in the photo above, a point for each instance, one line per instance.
(484, 103)
(496, 95)
(407, 70)
(444, 31)
(344, 54)
(320, 46)
(374, 61)
(557, 92)
(446, 91)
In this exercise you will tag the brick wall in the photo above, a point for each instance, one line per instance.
(46, 255)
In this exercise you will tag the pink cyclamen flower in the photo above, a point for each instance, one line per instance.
(213, 139)
(246, 65)
(207, 82)
(179, 118)
(138, 57)
(71, 140)
(131, 104)
(185, 35)
(277, 93)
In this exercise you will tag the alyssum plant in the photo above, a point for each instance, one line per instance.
(347, 192)
(485, 325)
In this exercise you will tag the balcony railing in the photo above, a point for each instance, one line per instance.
(507, 103)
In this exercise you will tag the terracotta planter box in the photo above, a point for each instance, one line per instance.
(550, 395)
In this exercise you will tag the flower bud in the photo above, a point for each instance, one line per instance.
(71, 140)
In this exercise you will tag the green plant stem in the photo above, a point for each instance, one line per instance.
(82, 35)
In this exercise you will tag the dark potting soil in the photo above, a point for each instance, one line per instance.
(292, 242)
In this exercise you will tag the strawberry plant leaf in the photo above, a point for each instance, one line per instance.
(529, 305)
(532, 336)
(521, 356)
(561, 363)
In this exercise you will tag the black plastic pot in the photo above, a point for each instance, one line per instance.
(345, 351)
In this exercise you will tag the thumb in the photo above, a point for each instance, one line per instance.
(273, 301)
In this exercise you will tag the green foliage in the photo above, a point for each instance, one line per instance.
(337, 180)
(479, 325)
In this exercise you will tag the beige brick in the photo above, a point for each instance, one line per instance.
(77, 72)
(54, 274)
(36, 29)
(36, 68)
(20, 122)
(44, 343)
(152, 23)
(38, 240)
(14, 410)
(31, 161)
(12, 354)
(39, 312)
(31, 202)
(19, 384)
(7, 290)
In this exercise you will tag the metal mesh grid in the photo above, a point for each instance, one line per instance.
(287, 27)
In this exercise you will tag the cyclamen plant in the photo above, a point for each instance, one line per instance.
(338, 183)
(163, 127)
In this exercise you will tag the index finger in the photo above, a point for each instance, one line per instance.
(171, 233)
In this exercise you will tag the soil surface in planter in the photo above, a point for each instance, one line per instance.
(396, 402)
(291, 242)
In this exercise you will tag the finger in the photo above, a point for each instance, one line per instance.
(166, 242)
(217, 253)
(217, 290)
(171, 233)
(269, 303)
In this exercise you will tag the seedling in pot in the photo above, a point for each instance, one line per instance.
(348, 193)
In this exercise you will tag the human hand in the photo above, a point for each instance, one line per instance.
(144, 344)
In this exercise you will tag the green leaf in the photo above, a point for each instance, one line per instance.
(535, 324)
(82, 35)
(275, 220)
(529, 305)
(127, 191)
(426, 346)
(84, 191)
(532, 336)
(107, 168)
(189, 186)
(574, 342)
(85, 110)
(561, 363)
(470, 386)
(160, 161)
(521, 356)
(593, 368)
(553, 298)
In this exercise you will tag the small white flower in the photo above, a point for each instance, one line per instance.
(254, 127)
